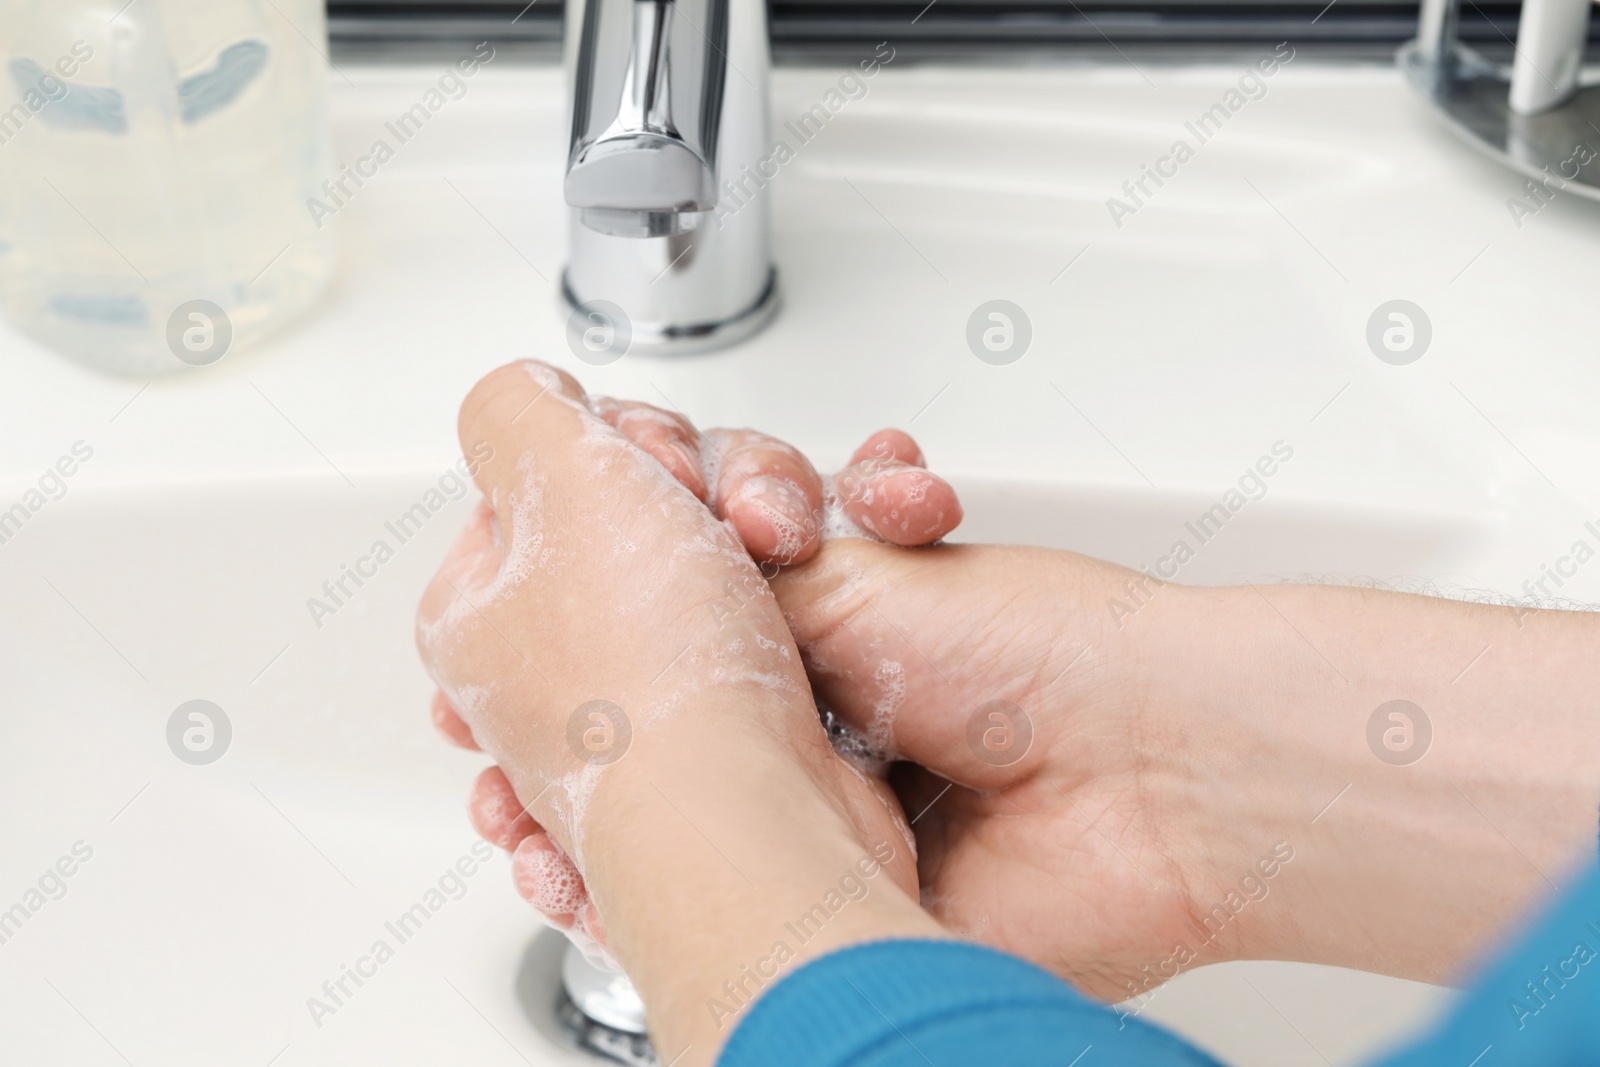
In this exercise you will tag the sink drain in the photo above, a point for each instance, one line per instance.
(601, 1040)
(602, 1012)
(591, 1011)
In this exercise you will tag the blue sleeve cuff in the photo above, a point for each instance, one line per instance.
(913, 1003)
(1537, 1003)
(950, 1004)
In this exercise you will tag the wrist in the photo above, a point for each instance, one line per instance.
(720, 859)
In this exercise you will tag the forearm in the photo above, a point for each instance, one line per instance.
(1420, 829)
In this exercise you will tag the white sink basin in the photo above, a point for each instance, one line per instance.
(219, 898)
(222, 897)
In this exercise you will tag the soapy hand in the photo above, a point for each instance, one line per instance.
(764, 492)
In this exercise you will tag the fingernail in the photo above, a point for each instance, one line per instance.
(514, 823)
(693, 476)
(785, 498)
(589, 922)
(914, 482)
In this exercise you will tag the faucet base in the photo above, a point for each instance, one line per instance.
(1557, 147)
(686, 338)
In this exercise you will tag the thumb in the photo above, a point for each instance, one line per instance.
(920, 650)
(498, 438)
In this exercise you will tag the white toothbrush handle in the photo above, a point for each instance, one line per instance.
(1550, 42)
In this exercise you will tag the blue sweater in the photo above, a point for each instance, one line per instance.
(949, 1004)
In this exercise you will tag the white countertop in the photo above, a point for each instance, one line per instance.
(1206, 327)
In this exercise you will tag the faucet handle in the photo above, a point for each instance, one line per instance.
(647, 104)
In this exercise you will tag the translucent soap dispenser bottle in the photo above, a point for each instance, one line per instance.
(156, 159)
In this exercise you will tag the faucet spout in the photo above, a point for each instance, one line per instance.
(648, 103)
(668, 133)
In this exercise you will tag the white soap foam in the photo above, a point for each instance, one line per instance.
(548, 879)
(569, 798)
(890, 678)
(919, 484)
(836, 524)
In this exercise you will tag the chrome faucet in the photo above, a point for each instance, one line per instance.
(668, 102)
